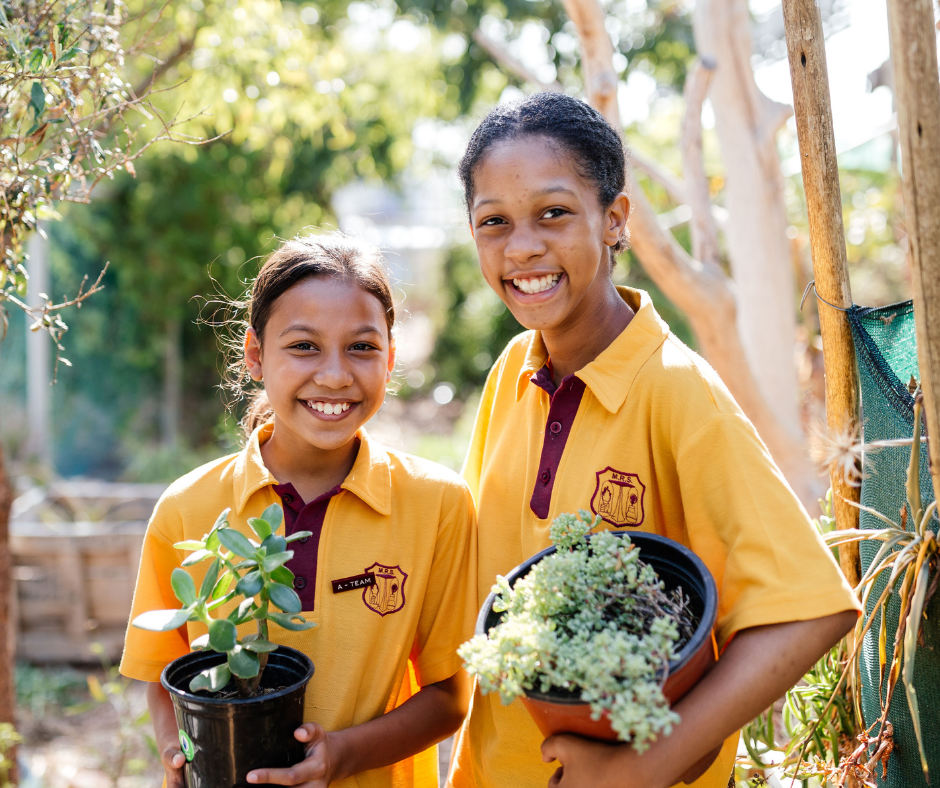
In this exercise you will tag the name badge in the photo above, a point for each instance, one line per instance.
(353, 583)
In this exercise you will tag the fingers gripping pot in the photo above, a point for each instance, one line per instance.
(224, 738)
(676, 565)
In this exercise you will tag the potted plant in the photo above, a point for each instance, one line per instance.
(237, 699)
(598, 633)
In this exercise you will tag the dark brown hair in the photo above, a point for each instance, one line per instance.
(333, 254)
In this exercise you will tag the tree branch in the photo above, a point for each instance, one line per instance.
(672, 183)
(704, 230)
(511, 64)
(146, 85)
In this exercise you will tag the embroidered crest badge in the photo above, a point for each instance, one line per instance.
(388, 594)
(618, 498)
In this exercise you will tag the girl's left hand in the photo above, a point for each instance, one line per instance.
(592, 764)
(317, 770)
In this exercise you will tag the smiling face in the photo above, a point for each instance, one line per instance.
(542, 235)
(325, 357)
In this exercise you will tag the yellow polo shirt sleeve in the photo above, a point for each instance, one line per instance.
(744, 521)
(147, 653)
(448, 613)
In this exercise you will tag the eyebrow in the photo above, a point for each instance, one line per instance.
(303, 327)
(541, 193)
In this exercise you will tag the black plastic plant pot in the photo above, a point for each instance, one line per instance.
(675, 565)
(225, 738)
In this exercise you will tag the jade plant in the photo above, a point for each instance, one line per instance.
(590, 620)
(241, 567)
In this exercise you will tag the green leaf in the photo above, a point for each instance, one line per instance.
(72, 52)
(212, 541)
(208, 582)
(213, 679)
(284, 597)
(196, 558)
(284, 576)
(243, 612)
(221, 601)
(35, 59)
(222, 586)
(272, 562)
(274, 544)
(200, 643)
(183, 586)
(911, 634)
(243, 663)
(261, 527)
(162, 620)
(250, 584)
(190, 544)
(299, 535)
(274, 515)
(260, 646)
(235, 542)
(37, 99)
(292, 622)
(222, 635)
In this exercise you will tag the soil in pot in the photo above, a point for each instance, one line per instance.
(224, 738)
(563, 711)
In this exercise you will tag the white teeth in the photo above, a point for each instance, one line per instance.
(537, 284)
(329, 408)
(318, 406)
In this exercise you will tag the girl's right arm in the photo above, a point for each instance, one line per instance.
(166, 732)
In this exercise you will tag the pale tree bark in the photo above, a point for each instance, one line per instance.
(699, 288)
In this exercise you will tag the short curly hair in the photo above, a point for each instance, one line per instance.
(595, 147)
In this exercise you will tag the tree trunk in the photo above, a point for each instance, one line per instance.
(698, 287)
(7, 686)
(914, 49)
(746, 122)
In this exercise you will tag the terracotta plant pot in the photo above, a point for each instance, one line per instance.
(225, 738)
(676, 566)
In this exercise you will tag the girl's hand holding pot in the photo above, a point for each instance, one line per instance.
(318, 769)
(173, 761)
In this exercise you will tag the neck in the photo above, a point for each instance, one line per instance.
(312, 471)
(576, 343)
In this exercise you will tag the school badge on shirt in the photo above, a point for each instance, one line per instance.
(618, 497)
(388, 594)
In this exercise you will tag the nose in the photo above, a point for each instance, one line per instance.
(524, 243)
(333, 371)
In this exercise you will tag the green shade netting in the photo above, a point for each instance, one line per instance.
(886, 351)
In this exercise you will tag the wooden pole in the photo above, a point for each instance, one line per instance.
(917, 91)
(806, 48)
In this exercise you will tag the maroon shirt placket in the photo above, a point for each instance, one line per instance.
(565, 401)
(299, 516)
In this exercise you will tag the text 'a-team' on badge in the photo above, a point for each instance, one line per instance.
(387, 595)
(618, 497)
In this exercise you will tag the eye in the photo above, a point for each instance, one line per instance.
(363, 347)
(492, 221)
(303, 346)
(554, 213)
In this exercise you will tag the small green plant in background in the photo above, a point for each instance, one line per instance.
(591, 620)
(9, 738)
(257, 572)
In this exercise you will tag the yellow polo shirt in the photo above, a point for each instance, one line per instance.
(410, 516)
(647, 436)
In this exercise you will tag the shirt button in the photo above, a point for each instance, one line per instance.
(546, 476)
(288, 498)
(555, 427)
(300, 582)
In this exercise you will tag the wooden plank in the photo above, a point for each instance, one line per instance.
(917, 90)
(806, 49)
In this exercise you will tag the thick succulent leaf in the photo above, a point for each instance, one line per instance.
(221, 601)
(289, 621)
(261, 527)
(271, 562)
(222, 520)
(213, 544)
(274, 544)
(200, 643)
(250, 584)
(236, 542)
(222, 635)
(243, 612)
(212, 680)
(260, 646)
(183, 586)
(208, 582)
(222, 585)
(190, 544)
(198, 557)
(283, 597)
(162, 620)
(243, 663)
(248, 563)
(274, 515)
(299, 535)
(283, 575)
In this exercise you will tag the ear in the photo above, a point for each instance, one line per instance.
(253, 354)
(616, 219)
(391, 359)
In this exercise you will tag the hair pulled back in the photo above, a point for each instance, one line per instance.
(577, 128)
(332, 254)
